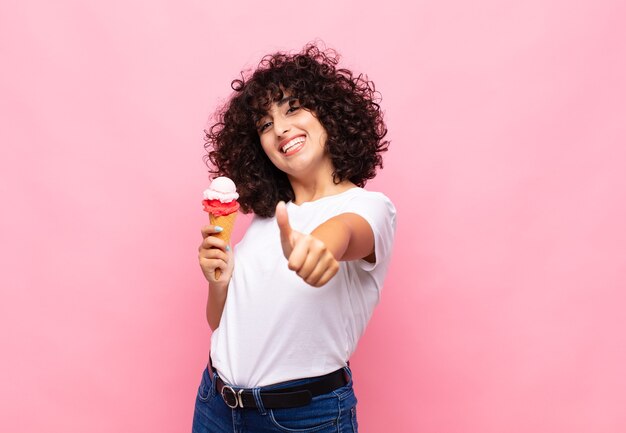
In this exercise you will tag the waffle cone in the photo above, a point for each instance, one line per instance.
(227, 222)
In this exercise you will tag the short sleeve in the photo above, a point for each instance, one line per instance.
(380, 213)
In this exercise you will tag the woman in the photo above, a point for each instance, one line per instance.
(295, 296)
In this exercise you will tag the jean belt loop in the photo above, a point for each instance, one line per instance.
(348, 373)
(212, 374)
(214, 382)
(256, 392)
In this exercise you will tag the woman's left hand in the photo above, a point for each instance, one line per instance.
(307, 255)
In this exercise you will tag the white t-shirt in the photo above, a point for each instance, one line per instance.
(275, 327)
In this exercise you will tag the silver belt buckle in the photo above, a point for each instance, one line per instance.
(236, 397)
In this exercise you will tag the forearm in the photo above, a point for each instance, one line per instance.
(347, 236)
(215, 305)
(335, 234)
(315, 257)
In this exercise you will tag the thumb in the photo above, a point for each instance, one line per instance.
(282, 218)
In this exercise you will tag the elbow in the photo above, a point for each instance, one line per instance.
(213, 324)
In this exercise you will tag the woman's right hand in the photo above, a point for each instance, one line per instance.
(213, 254)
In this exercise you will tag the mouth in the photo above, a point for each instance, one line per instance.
(293, 145)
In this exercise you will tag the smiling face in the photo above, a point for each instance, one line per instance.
(294, 139)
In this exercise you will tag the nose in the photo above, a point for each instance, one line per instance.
(281, 126)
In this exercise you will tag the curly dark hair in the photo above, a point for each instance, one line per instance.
(345, 104)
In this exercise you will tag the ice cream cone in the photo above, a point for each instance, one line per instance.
(220, 202)
(227, 223)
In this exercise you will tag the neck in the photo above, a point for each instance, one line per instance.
(315, 185)
(312, 190)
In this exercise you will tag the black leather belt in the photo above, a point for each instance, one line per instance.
(282, 398)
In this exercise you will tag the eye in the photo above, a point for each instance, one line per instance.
(263, 126)
(294, 105)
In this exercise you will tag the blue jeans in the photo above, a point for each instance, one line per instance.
(333, 412)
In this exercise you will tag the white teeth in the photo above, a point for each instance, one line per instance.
(292, 143)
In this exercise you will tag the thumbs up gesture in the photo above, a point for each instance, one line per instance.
(308, 256)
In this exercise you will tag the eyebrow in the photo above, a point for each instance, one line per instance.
(279, 103)
(286, 99)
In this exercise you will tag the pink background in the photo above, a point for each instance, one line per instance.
(503, 310)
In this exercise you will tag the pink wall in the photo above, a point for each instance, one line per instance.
(503, 309)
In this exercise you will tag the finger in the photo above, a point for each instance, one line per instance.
(213, 264)
(311, 263)
(209, 230)
(213, 242)
(327, 275)
(325, 262)
(298, 254)
(230, 255)
(214, 253)
(282, 218)
(316, 273)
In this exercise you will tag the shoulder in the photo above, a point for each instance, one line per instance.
(375, 207)
(362, 193)
(361, 198)
(380, 213)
